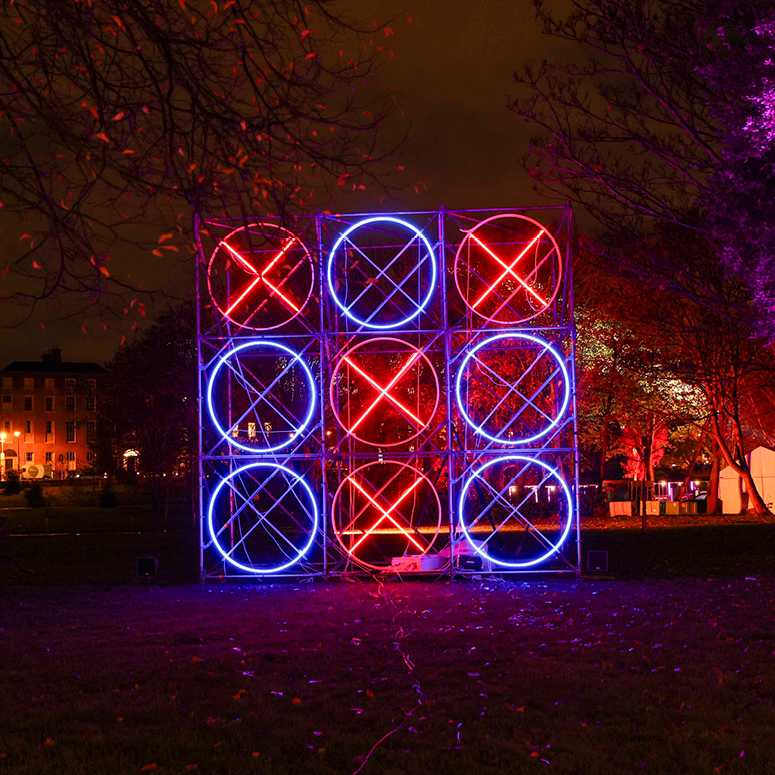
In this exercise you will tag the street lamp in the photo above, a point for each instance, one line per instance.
(2, 456)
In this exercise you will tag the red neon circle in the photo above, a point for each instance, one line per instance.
(384, 512)
(511, 285)
(381, 391)
(259, 276)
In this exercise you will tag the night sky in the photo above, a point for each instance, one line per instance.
(451, 74)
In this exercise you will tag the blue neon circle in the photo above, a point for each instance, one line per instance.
(515, 335)
(302, 551)
(555, 548)
(329, 271)
(310, 380)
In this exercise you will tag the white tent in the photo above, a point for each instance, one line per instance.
(732, 490)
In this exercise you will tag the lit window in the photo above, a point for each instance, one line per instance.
(27, 403)
(91, 403)
(49, 403)
(70, 383)
(91, 384)
(69, 403)
(49, 383)
(70, 432)
(71, 461)
(29, 383)
(28, 456)
(252, 431)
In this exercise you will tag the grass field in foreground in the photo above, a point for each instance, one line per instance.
(668, 676)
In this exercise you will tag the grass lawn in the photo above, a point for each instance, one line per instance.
(656, 676)
(670, 668)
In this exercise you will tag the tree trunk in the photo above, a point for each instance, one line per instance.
(755, 502)
(648, 452)
(603, 448)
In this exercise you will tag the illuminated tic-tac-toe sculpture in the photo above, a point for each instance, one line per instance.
(387, 393)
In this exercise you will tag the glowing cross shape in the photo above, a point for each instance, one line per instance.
(385, 513)
(384, 392)
(275, 291)
(509, 270)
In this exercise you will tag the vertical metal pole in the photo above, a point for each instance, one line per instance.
(448, 378)
(572, 322)
(322, 395)
(199, 513)
(229, 448)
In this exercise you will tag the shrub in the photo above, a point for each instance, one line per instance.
(12, 485)
(108, 499)
(34, 496)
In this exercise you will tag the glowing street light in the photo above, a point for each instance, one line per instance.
(2, 456)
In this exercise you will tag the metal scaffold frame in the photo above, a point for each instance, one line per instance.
(344, 363)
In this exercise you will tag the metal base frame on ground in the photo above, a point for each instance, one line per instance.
(387, 393)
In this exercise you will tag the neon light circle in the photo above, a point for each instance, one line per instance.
(267, 412)
(522, 385)
(512, 518)
(387, 385)
(370, 519)
(508, 269)
(260, 276)
(384, 301)
(267, 517)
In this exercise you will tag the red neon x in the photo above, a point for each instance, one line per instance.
(261, 276)
(385, 514)
(384, 391)
(509, 270)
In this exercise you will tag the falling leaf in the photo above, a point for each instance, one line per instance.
(118, 116)
(104, 271)
(296, 701)
(148, 767)
(102, 136)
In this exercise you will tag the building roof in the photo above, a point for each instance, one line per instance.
(61, 367)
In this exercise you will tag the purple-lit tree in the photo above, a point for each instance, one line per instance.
(122, 121)
(741, 197)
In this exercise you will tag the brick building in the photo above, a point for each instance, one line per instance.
(52, 405)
